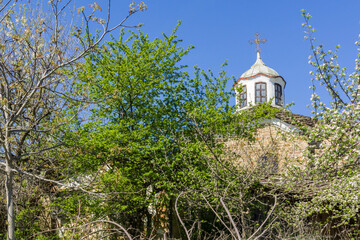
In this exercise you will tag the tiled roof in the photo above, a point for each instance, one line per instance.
(296, 119)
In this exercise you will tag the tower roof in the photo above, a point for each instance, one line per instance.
(259, 67)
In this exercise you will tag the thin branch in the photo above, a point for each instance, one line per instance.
(269, 214)
(87, 224)
(178, 215)
(68, 186)
(230, 218)
(267, 228)
(217, 215)
(8, 11)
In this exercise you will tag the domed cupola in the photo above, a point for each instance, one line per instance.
(259, 84)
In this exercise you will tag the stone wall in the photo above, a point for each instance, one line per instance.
(272, 149)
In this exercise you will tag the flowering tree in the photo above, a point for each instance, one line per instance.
(330, 181)
(36, 48)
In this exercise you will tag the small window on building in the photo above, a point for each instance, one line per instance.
(260, 93)
(243, 97)
(278, 95)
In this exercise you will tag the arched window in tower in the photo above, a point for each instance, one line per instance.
(243, 97)
(278, 95)
(260, 93)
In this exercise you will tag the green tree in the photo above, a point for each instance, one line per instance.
(153, 132)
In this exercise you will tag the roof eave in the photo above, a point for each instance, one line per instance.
(263, 74)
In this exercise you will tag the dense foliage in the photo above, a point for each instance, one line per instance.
(121, 140)
(154, 132)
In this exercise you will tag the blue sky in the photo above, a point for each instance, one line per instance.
(220, 30)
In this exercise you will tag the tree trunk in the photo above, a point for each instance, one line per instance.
(9, 201)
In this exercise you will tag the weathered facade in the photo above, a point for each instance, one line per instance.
(276, 145)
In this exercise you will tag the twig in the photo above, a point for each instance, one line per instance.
(87, 224)
(269, 214)
(177, 214)
(230, 218)
(217, 215)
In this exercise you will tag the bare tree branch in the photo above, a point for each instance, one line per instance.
(230, 218)
(178, 215)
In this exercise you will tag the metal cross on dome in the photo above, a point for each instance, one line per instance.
(257, 41)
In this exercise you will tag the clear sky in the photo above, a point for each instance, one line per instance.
(220, 30)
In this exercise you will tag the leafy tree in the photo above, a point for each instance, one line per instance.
(156, 139)
(154, 132)
(35, 49)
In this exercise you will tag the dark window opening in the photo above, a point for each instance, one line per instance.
(278, 94)
(260, 93)
(269, 163)
(243, 97)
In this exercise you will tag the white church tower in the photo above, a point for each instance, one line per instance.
(259, 84)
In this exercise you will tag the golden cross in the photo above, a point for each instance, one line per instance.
(257, 41)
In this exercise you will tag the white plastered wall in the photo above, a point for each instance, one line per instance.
(270, 86)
